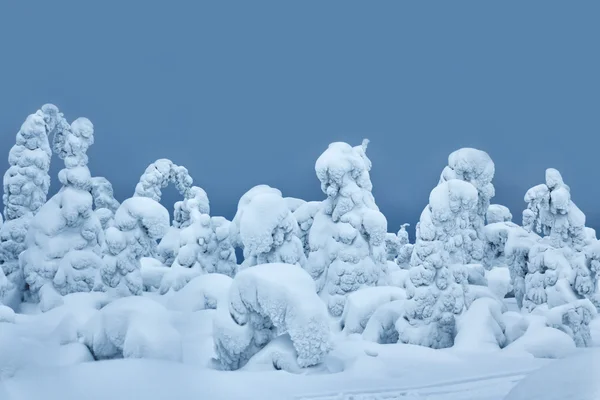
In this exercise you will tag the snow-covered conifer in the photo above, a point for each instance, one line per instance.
(438, 285)
(26, 185)
(159, 175)
(138, 223)
(347, 238)
(406, 248)
(558, 272)
(498, 213)
(65, 237)
(476, 167)
(105, 204)
(269, 232)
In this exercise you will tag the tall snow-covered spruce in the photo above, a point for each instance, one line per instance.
(64, 241)
(437, 284)
(558, 274)
(26, 185)
(347, 237)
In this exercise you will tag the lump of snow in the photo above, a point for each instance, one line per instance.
(498, 213)
(269, 300)
(201, 293)
(480, 328)
(361, 305)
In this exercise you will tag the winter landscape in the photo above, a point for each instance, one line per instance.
(106, 299)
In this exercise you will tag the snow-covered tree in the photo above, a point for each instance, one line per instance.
(267, 301)
(305, 215)
(558, 272)
(26, 185)
(159, 175)
(403, 247)
(392, 246)
(437, 286)
(138, 223)
(347, 237)
(498, 213)
(476, 167)
(269, 232)
(63, 244)
(105, 204)
(196, 199)
(205, 248)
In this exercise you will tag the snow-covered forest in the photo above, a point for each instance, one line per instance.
(326, 297)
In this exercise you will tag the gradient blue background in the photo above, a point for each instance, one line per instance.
(243, 93)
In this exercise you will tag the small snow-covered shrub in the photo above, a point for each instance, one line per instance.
(201, 293)
(266, 301)
(347, 237)
(381, 326)
(481, 327)
(133, 327)
(138, 223)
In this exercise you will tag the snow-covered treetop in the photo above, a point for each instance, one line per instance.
(26, 182)
(498, 213)
(158, 175)
(347, 167)
(473, 166)
(102, 192)
(196, 199)
(145, 213)
(72, 144)
(551, 212)
(246, 198)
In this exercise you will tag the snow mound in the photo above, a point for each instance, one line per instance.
(542, 341)
(575, 377)
(381, 327)
(201, 293)
(480, 328)
(269, 300)
(361, 305)
(133, 327)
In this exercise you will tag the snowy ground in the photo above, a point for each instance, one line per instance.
(43, 357)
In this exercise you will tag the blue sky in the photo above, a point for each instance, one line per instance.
(243, 93)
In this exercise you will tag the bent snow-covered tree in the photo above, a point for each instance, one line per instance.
(269, 232)
(266, 301)
(437, 284)
(65, 237)
(476, 167)
(558, 272)
(138, 223)
(26, 185)
(347, 237)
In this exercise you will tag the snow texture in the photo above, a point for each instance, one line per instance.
(438, 283)
(269, 232)
(65, 238)
(133, 327)
(347, 238)
(138, 223)
(267, 301)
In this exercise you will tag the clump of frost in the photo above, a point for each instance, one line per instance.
(26, 185)
(267, 301)
(138, 223)
(361, 305)
(305, 215)
(133, 327)
(269, 232)
(498, 213)
(476, 167)
(347, 238)
(438, 282)
(65, 238)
